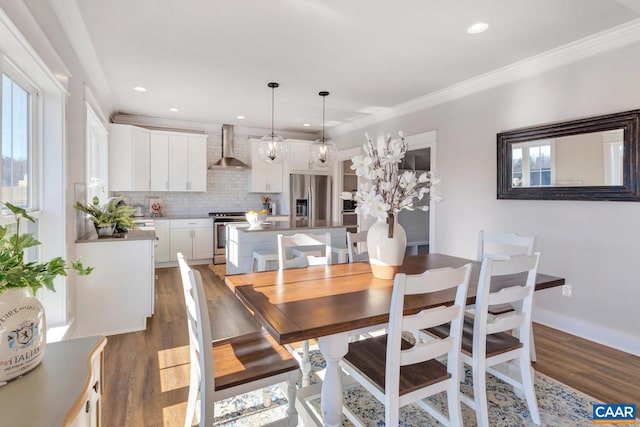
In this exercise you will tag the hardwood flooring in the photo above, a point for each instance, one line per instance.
(147, 372)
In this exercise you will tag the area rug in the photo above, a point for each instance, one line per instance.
(559, 404)
(219, 270)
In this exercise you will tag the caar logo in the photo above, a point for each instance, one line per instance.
(614, 413)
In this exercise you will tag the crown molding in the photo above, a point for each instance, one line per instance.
(73, 25)
(588, 46)
(176, 124)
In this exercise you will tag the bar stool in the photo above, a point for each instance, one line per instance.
(260, 259)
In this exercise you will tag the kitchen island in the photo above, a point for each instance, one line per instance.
(243, 240)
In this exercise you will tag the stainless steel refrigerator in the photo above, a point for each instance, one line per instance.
(310, 198)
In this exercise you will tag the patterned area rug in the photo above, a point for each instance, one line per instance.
(218, 269)
(560, 405)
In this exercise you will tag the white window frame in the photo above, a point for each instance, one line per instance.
(33, 165)
(526, 171)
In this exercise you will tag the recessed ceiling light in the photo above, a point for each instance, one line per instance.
(478, 27)
(139, 89)
(306, 125)
(240, 117)
(173, 109)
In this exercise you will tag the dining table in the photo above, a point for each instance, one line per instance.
(332, 303)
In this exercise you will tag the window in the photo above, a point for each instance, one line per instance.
(16, 143)
(532, 164)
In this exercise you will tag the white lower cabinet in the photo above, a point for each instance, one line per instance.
(163, 240)
(192, 237)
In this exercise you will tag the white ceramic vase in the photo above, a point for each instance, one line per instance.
(386, 254)
(22, 333)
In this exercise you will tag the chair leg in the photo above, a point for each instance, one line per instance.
(292, 413)
(305, 364)
(453, 400)
(480, 394)
(391, 414)
(526, 373)
(532, 347)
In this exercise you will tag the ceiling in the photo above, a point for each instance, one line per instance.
(213, 59)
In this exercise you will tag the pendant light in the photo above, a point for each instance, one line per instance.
(323, 152)
(272, 148)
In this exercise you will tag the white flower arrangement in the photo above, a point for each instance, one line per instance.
(385, 191)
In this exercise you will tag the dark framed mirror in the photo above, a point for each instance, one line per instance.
(596, 158)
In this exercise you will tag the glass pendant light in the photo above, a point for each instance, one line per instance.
(323, 152)
(272, 148)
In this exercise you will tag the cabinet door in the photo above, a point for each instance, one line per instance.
(203, 243)
(197, 164)
(298, 156)
(119, 157)
(265, 178)
(140, 171)
(159, 161)
(163, 250)
(178, 163)
(181, 241)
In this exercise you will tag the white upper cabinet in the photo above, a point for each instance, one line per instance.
(129, 162)
(159, 155)
(300, 160)
(187, 163)
(143, 160)
(265, 178)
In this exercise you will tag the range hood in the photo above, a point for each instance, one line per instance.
(228, 159)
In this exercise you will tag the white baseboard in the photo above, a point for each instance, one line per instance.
(589, 331)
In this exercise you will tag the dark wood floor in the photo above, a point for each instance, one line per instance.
(146, 373)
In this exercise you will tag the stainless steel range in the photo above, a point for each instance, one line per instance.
(220, 221)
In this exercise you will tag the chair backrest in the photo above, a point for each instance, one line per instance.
(519, 295)
(355, 242)
(202, 381)
(496, 244)
(428, 282)
(301, 240)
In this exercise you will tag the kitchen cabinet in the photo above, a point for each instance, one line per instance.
(129, 162)
(159, 159)
(299, 159)
(163, 240)
(118, 295)
(192, 237)
(187, 162)
(265, 178)
(151, 160)
(65, 390)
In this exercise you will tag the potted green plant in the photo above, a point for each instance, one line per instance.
(22, 319)
(109, 216)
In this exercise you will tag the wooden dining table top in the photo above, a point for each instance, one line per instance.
(310, 302)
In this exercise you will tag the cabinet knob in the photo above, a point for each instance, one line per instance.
(96, 386)
(87, 406)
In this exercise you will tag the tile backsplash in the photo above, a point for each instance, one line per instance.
(227, 189)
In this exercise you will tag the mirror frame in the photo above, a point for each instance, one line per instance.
(629, 121)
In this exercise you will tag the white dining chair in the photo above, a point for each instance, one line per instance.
(229, 367)
(398, 373)
(498, 244)
(312, 249)
(488, 345)
(355, 243)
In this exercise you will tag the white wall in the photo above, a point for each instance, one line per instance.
(594, 245)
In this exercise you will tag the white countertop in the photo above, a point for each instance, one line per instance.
(282, 226)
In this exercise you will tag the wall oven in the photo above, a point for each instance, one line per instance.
(220, 221)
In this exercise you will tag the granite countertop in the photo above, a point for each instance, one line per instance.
(284, 226)
(119, 237)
